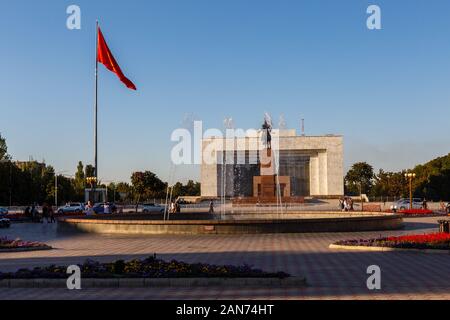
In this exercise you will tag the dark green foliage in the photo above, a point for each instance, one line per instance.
(359, 178)
(147, 268)
(432, 181)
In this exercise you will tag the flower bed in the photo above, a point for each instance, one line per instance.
(18, 244)
(416, 212)
(146, 268)
(440, 241)
(22, 217)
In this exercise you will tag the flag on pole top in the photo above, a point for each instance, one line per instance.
(105, 57)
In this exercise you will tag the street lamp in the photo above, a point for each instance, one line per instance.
(410, 176)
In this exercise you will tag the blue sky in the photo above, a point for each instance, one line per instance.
(386, 91)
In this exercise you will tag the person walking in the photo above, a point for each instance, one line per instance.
(34, 214)
(211, 206)
(106, 208)
(351, 204)
(44, 212)
(341, 204)
(89, 209)
(51, 214)
(424, 204)
(27, 212)
(442, 206)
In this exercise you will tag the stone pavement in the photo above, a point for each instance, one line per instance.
(331, 274)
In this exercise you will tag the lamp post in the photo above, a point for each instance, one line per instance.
(410, 176)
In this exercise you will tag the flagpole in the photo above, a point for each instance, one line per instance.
(95, 115)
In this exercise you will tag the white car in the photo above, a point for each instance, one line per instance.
(403, 204)
(71, 208)
(152, 207)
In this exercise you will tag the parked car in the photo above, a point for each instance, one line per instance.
(99, 208)
(403, 204)
(152, 207)
(3, 210)
(181, 201)
(71, 208)
(4, 222)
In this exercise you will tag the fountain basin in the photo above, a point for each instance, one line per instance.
(235, 223)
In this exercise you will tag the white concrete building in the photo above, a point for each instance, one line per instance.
(309, 165)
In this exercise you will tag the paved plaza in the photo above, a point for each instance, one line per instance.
(331, 274)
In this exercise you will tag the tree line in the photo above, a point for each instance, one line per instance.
(432, 180)
(24, 183)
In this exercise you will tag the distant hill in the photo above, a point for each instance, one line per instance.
(433, 179)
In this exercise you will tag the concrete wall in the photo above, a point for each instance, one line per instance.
(332, 224)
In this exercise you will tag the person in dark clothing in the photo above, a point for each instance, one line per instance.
(27, 212)
(34, 214)
(45, 212)
(51, 214)
(425, 204)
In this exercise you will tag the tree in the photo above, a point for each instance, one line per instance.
(390, 184)
(360, 175)
(192, 188)
(177, 190)
(89, 171)
(124, 191)
(3, 149)
(147, 186)
(79, 182)
(433, 179)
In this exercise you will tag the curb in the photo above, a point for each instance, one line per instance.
(25, 249)
(162, 282)
(387, 249)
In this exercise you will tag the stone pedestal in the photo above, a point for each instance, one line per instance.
(265, 185)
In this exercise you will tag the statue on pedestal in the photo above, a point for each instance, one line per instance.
(267, 127)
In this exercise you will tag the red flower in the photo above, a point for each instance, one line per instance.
(416, 211)
(422, 238)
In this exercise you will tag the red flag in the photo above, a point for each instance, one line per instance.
(105, 57)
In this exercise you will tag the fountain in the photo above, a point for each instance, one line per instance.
(256, 206)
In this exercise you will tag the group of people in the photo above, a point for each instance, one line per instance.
(107, 208)
(89, 209)
(175, 207)
(48, 213)
(346, 204)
